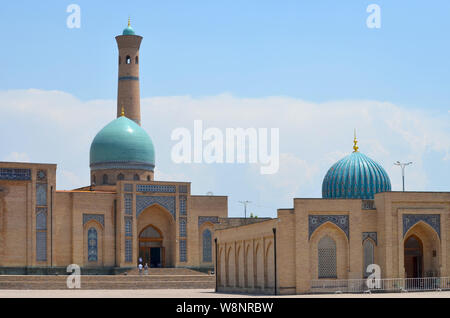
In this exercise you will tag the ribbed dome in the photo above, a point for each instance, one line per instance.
(122, 144)
(355, 177)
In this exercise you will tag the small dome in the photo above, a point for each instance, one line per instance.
(355, 177)
(128, 31)
(122, 144)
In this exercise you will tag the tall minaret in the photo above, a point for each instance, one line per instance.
(128, 96)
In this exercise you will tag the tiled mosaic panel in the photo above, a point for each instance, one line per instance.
(92, 245)
(212, 219)
(314, 221)
(128, 226)
(143, 202)
(182, 188)
(128, 202)
(41, 221)
(182, 227)
(128, 250)
(155, 188)
(434, 220)
(98, 217)
(15, 174)
(372, 235)
(183, 251)
(128, 187)
(183, 208)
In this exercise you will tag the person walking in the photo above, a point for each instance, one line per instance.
(146, 269)
(140, 268)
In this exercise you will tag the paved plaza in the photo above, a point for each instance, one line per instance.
(190, 293)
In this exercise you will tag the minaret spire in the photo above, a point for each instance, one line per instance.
(355, 141)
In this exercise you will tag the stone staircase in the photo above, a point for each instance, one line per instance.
(157, 278)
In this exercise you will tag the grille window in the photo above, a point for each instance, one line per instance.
(327, 258)
(368, 249)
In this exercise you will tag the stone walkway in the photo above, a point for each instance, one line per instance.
(188, 293)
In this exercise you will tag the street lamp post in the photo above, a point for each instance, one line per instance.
(403, 165)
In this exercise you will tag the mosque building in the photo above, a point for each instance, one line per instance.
(124, 214)
(327, 244)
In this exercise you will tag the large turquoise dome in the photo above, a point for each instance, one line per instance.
(122, 144)
(355, 177)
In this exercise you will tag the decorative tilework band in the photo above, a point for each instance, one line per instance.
(98, 217)
(144, 201)
(433, 220)
(128, 78)
(371, 235)
(157, 188)
(15, 174)
(342, 221)
(212, 219)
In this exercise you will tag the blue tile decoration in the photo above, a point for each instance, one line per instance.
(212, 219)
(128, 226)
(127, 187)
(372, 235)
(92, 245)
(98, 217)
(128, 250)
(183, 200)
(342, 221)
(434, 220)
(128, 202)
(144, 201)
(182, 188)
(158, 188)
(128, 78)
(41, 175)
(183, 251)
(182, 227)
(41, 194)
(15, 174)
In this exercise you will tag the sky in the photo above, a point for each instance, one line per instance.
(313, 69)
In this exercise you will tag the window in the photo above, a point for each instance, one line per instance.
(41, 237)
(120, 60)
(92, 245)
(120, 177)
(207, 251)
(327, 257)
(128, 60)
(137, 60)
(148, 178)
(136, 177)
(128, 250)
(105, 179)
(368, 250)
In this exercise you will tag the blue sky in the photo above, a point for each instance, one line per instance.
(313, 55)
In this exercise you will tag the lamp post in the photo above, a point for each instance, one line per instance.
(245, 207)
(403, 165)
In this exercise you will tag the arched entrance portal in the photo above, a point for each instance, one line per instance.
(413, 257)
(150, 247)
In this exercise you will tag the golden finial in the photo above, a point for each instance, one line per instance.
(355, 147)
(123, 112)
(129, 21)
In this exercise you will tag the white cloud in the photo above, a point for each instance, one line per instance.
(57, 127)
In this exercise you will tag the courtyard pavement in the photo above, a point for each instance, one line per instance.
(190, 293)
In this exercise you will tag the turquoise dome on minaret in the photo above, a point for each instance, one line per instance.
(128, 30)
(122, 144)
(355, 176)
